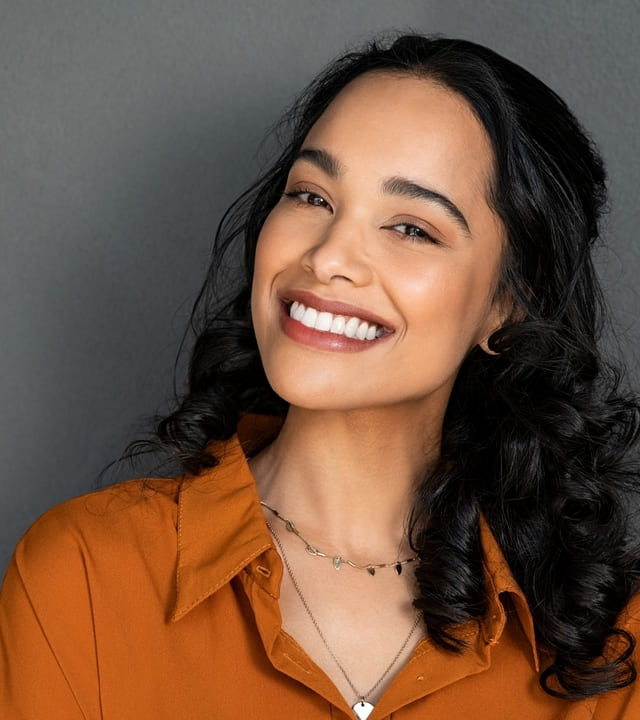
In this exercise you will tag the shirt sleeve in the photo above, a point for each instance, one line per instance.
(48, 667)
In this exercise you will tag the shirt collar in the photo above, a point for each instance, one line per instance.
(501, 585)
(221, 530)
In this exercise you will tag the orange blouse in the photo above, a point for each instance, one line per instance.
(159, 599)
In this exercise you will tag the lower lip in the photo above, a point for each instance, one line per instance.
(322, 340)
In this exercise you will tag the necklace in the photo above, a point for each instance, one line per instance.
(338, 560)
(362, 707)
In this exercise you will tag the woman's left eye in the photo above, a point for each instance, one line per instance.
(413, 231)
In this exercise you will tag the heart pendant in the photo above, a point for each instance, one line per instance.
(362, 709)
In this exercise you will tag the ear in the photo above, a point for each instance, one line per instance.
(484, 343)
(502, 313)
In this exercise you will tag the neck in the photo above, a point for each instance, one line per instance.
(349, 478)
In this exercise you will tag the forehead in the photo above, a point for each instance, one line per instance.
(401, 124)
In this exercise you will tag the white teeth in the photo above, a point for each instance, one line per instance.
(337, 326)
(323, 321)
(361, 332)
(309, 318)
(298, 313)
(351, 328)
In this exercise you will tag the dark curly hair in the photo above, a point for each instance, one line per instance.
(539, 438)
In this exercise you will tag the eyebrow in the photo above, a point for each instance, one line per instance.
(392, 186)
(321, 159)
(407, 188)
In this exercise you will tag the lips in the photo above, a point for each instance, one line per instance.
(349, 326)
(330, 325)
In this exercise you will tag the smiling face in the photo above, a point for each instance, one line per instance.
(376, 272)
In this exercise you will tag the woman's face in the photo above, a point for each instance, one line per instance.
(376, 272)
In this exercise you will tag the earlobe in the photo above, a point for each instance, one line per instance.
(503, 313)
(484, 344)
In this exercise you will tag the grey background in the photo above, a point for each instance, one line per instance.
(128, 126)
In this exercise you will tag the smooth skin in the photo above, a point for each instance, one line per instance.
(386, 211)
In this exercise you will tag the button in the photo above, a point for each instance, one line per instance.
(264, 571)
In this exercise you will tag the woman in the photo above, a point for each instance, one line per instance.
(429, 514)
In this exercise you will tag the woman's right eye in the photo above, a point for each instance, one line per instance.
(307, 197)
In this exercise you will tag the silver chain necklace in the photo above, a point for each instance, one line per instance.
(338, 560)
(362, 707)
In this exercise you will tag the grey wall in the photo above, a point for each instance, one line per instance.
(127, 127)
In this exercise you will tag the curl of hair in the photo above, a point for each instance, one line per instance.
(538, 438)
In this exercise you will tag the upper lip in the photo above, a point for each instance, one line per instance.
(334, 307)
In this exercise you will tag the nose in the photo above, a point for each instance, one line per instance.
(340, 254)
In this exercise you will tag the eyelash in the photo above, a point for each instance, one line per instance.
(297, 195)
(413, 232)
(420, 235)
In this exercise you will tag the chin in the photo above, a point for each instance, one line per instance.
(308, 399)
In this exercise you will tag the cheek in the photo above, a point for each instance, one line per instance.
(265, 259)
(271, 249)
(455, 299)
(270, 261)
(260, 284)
(444, 289)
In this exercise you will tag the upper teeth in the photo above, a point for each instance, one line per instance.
(352, 327)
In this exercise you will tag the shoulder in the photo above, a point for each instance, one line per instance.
(74, 575)
(630, 617)
(99, 526)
